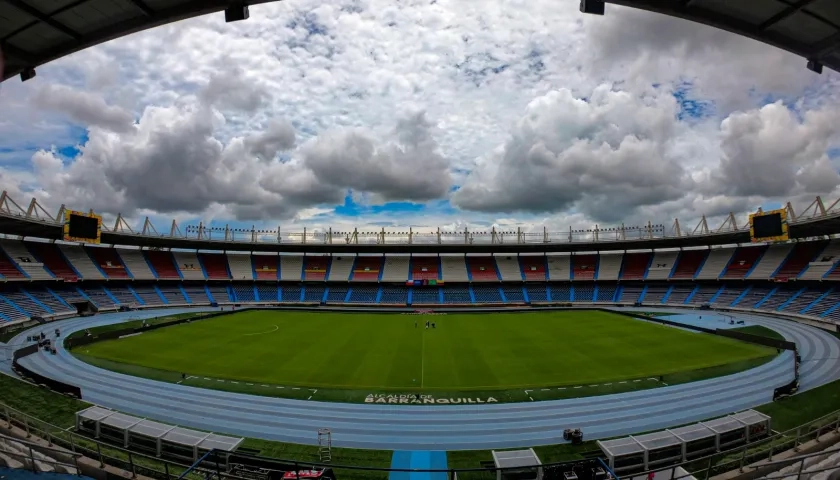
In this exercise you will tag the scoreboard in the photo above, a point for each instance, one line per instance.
(770, 226)
(82, 227)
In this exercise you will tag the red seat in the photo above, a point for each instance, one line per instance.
(366, 269)
(533, 268)
(109, 261)
(635, 266)
(315, 268)
(482, 269)
(584, 267)
(163, 263)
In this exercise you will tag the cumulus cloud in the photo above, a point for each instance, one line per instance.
(232, 89)
(85, 108)
(604, 156)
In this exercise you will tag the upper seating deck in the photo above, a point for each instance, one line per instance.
(803, 253)
(482, 269)
(109, 262)
(584, 267)
(367, 269)
(215, 265)
(635, 265)
(315, 268)
(688, 264)
(533, 268)
(266, 267)
(425, 268)
(163, 264)
(742, 262)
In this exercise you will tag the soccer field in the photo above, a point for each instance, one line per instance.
(386, 352)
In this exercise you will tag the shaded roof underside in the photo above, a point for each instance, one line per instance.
(34, 32)
(808, 28)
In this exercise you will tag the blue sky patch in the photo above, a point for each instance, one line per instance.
(691, 108)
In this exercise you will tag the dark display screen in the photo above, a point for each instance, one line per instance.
(768, 226)
(83, 227)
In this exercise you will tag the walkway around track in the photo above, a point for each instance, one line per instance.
(450, 427)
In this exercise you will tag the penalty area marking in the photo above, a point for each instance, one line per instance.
(261, 333)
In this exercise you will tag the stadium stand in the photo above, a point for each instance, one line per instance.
(51, 301)
(823, 263)
(188, 264)
(742, 262)
(583, 292)
(367, 269)
(426, 268)
(196, 294)
(315, 293)
(656, 292)
(584, 267)
(264, 267)
(485, 294)
(53, 260)
(635, 265)
(513, 294)
(454, 269)
(172, 295)
(662, 264)
(109, 262)
(335, 294)
(825, 304)
(425, 296)
(833, 274)
(267, 292)
(363, 294)
(17, 252)
(394, 295)
(214, 265)
(9, 269)
(628, 293)
(560, 292)
(813, 466)
(290, 294)
(509, 268)
(341, 268)
(537, 292)
(102, 299)
(804, 301)
(533, 268)
(679, 293)
(81, 262)
(124, 296)
(244, 293)
(136, 263)
(396, 268)
(803, 253)
(481, 269)
(28, 304)
(689, 264)
(770, 261)
(163, 264)
(609, 266)
(559, 267)
(291, 268)
(755, 295)
(605, 293)
(715, 263)
(316, 268)
(149, 296)
(779, 298)
(16, 455)
(704, 294)
(461, 295)
(218, 293)
(727, 296)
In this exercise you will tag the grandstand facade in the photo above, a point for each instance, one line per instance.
(46, 279)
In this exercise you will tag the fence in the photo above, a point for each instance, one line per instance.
(141, 464)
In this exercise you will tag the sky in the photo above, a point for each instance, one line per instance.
(377, 114)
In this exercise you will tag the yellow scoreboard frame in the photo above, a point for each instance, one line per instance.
(785, 236)
(67, 238)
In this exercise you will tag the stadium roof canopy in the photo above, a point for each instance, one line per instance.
(34, 32)
(808, 28)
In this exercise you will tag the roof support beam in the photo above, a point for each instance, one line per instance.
(826, 47)
(796, 7)
(31, 11)
(143, 8)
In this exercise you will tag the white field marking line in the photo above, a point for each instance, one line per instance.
(261, 333)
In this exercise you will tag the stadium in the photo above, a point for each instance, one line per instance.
(658, 351)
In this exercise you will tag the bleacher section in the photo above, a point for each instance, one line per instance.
(662, 264)
(109, 261)
(461, 295)
(779, 298)
(688, 264)
(533, 268)
(81, 262)
(425, 296)
(770, 261)
(482, 269)
(102, 300)
(9, 269)
(605, 293)
(51, 301)
(715, 263)
(609, 266)
(424, 268)
(583, 292)
(803, 300)
(267, 292)
(27, 303)
(755, 295)
(823, 263)
(803, 253)
(163, 264)
(242, 269)
(10, 312)
(513, 294)
(363, 294)
(215, 266)
(244, 293)
(196, 294)
(560, 292)
(136, 263)
(483, 294)
(188, 264)
(823, 306)
(704, 294)
(742, 261)
(17, 252)
(537, 292)
(584, 267)
(559, 267)
(630, 293)
(394, 295)
(509, 269)
(51, 256)
(453, 269)
(124, 296)
(679, 293)
(291, 268)
(341, 268)
(635, 265)
(172, 294)
(148, 295)
(266, 267)
(315, 268)
(367, 269)
(219, 293)
(395, 268)
(727, 296)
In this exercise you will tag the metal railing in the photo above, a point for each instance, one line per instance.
(141, 464)
(31, 461)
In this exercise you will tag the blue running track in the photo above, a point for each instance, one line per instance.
(439, 427)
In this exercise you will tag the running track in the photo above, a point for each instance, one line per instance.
(451, 427)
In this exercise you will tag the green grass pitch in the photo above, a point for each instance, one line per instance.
(378, 351)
